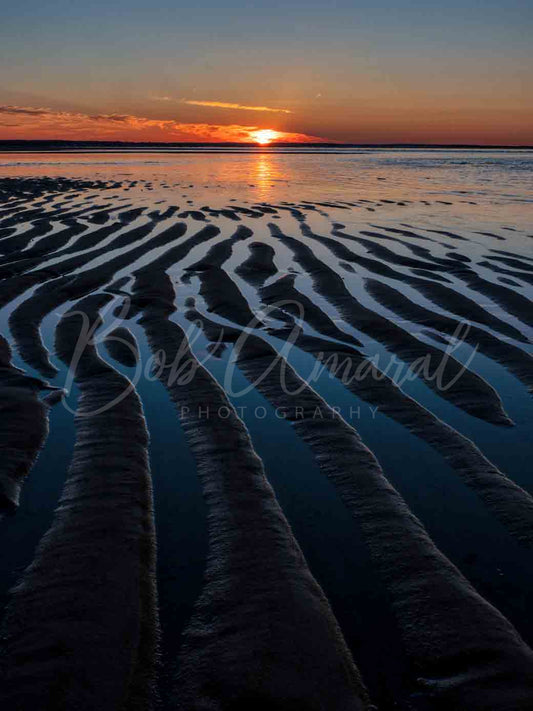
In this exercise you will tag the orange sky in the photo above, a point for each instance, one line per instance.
(27, 122)
(430, 125)
(352, 71)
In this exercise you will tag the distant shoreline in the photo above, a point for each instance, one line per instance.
(57, 146)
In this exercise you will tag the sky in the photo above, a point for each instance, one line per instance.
(356, 71)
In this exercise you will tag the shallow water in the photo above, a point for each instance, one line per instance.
(419, 192)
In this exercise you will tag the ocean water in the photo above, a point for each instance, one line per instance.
(463, 174)
(481, 199)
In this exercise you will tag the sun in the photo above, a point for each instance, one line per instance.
(265, 136)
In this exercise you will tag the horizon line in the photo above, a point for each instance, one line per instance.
(9, 142)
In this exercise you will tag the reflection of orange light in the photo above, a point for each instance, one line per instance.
(265, 136)
(269, 173)
(263, 172)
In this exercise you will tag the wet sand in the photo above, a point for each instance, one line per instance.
(102, 280)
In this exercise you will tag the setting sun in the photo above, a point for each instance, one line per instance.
(265, 136)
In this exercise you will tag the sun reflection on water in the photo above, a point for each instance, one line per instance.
(268, 174)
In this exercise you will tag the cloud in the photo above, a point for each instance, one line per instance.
(42, 123)
(241, 107)
(24, 110)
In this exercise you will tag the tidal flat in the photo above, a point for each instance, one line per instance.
(265, 430)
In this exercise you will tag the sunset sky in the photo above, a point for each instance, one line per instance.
(403, 71)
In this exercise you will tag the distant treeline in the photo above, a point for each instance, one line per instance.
(55, 145)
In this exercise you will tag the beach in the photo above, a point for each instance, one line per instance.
(266, 418)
